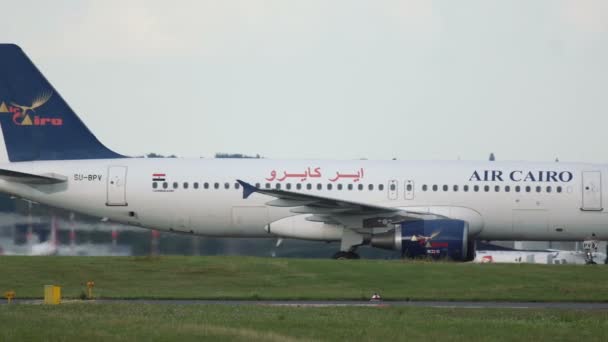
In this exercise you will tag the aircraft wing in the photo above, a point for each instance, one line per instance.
(331, 210)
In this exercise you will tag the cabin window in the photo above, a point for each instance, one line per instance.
(329, 186)
(165, 185)
(445, 188)
(507, 188)
(288, 186)
(308, 186)
(360, 187)
(538, 189)
(370, 187)
(206, 185)
(435, 187)
(465, 188)
(350, 187)
(339, 186)
(299, 186)
(549, 189)
(154, 185)
(319, 186)
(277, 186)
(559, 189)
(267, 185)
(486, 188)
(216, 185)
(380, 187)
(175, 185)
(185, 185)
(257, 185)
(517, 188)
(237, 185)
(425, 187)
(528, 188)
(226, 185)
(497, 188)
(393, 187)
(409, 187)
(455, 188)
(195, 185)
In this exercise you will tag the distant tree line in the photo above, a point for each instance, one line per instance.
(237, 155)
(156, 155)
(219, 155)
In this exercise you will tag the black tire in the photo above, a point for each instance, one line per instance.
(353, 255)
(471, 250)
(345, 255)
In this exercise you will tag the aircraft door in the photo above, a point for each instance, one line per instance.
(592, 190)
(117, 186)
(409, 189)
(392, 189)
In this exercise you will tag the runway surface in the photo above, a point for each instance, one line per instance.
(325, 303)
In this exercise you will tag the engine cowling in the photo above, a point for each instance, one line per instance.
(437, 239)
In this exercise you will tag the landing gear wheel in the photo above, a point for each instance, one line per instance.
(345, 255)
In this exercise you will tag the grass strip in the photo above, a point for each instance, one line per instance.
(175, 277)
(141, 322)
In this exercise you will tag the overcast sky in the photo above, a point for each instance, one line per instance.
(329, 79)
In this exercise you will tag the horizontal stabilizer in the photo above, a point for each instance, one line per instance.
(28, 178)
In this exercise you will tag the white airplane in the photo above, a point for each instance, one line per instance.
(49, 156)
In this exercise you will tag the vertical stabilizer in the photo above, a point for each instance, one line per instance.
(37, 124)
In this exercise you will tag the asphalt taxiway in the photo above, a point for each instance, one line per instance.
(330, 303)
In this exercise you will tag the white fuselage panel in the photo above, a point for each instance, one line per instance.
(514, 200)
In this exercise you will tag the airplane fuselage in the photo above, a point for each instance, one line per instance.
(500, 200)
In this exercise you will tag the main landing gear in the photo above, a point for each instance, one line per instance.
(345, 255)
(350, 240)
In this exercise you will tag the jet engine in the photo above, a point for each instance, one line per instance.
(437, 239)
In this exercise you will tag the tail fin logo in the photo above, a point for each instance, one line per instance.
(27, 116)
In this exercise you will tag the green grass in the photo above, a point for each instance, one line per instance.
(267, 278)
(141, 322)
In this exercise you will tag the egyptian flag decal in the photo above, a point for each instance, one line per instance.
(158, 177)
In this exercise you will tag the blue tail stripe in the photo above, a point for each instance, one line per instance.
(36, 122)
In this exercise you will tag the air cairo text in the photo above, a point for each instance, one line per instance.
(521, 176)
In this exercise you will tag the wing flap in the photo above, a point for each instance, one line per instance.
(283, 202)
(318, 210)
(30, 178)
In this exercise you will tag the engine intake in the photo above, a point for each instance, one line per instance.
(438, 239)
